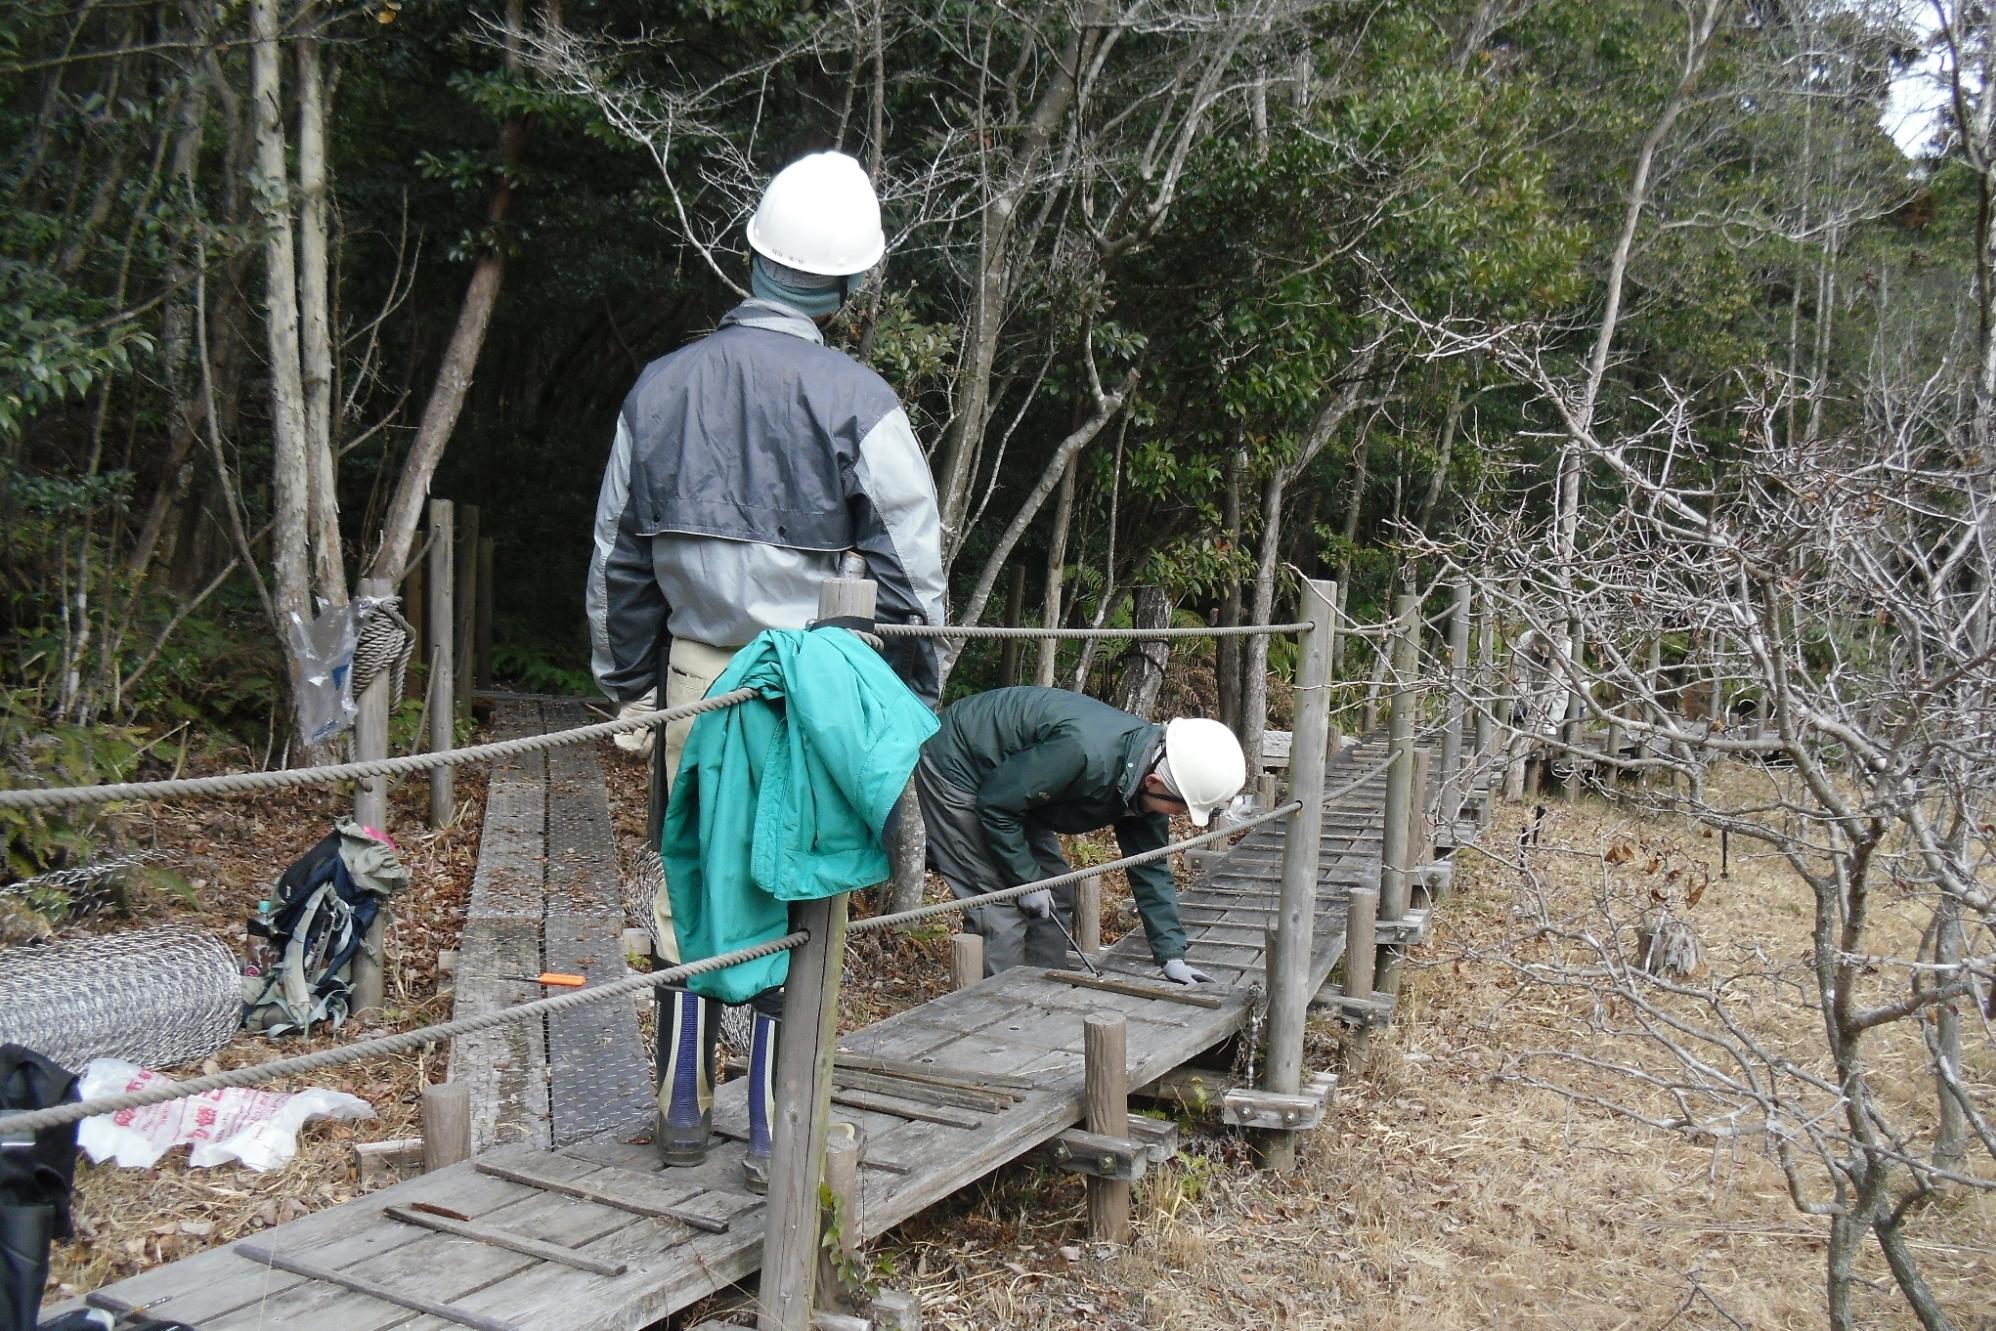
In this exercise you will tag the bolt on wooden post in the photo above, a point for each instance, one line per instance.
(803, 1089)
(1289, 961)
(443, 710)
(1394, 867)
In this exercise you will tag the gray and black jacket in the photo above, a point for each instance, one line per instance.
(744, 465)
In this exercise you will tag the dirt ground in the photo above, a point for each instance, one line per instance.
(1443, 1192)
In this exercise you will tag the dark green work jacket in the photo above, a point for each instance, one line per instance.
(1067, 763)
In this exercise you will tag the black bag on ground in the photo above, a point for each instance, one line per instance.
(36, 1170)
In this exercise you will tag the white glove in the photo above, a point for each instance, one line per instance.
(1178, 972)
(638, 741)
(1038, 903)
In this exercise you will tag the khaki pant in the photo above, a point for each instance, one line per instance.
(690, 671)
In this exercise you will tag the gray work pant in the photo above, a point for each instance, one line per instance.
(957, 851)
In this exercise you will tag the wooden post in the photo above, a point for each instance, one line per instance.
(1395, 877)
(1570, 729)
(468, 608)
(443, 676)
(1654, 673)
(1296, 918)
(1106, 1069)
(966, 960)
(446, 1125)
(1453, 778)
(1361, 917)
(842, 1183)
(486, 550)
(1420, 839)
(416, 610)
(1486, 678)
(1088, 916)
(1015, 609)
(370, 809)
(803, 1089)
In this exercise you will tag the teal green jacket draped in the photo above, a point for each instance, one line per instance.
(784, 797)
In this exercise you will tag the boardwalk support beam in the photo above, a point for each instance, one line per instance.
(804, 1071)
(1289, 960)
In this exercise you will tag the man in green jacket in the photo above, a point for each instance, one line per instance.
(1012, 768)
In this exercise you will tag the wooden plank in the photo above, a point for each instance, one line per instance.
(926, 1092)
(504, 1238)
(924, 1071)
(1175, 994)
(907, 1109)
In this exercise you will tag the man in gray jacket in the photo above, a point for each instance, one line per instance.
(744, 466)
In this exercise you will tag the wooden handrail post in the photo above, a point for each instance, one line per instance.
(446, 1125)
(1106, 1076)
(1420, 828)
(487, 553)
(966, 960)
(803, 1090)
(1454, 780)
(1289, 961)
(1394, 866)
(1088, 916)
(468, 608)
(1486, 678)
(442, 586)
(370, 809)
(1361, 918)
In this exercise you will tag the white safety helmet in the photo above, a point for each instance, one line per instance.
(1202, 764)
(820, 215)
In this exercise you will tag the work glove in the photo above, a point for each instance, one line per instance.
(1178, 972)
(638, 741)
(1038, 903)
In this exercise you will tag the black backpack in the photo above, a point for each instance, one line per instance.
(321, 917)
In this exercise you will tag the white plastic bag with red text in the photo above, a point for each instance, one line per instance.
(259, 1128)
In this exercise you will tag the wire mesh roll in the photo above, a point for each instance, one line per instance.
(155, 997)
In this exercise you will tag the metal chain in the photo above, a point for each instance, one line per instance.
(237, 783)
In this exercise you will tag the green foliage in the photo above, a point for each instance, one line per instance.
(35, 753)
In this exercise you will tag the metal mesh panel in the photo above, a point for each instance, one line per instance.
(156, 997)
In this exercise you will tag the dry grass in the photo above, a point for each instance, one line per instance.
(1440, 1196)
(131, 1219)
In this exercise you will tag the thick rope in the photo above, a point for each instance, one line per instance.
(1140, 635)
(238, 783)
(401, 1042)
(384, 641)
(406, 1041)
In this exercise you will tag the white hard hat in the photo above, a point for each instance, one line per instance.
(820, 215)
(1203, 765)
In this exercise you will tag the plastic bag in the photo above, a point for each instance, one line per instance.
(259, 1128)
(322, 671)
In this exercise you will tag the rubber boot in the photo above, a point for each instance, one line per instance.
(687, 1027)
(25, 1235)
(761, 1102)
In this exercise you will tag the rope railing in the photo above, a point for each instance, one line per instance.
(1139, 635)
(406, 1041)
(239, 783)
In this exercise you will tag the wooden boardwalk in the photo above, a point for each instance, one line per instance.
(943, 1094)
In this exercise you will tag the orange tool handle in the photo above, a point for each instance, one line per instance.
(556, 979)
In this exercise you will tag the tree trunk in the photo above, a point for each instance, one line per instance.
(1227, 657)
(1051, 613)
(315, 319)
(290, 476)
(453, 381)
(1143, 664)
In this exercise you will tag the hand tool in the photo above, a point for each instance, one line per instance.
(1055, 917)
(553, 979)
